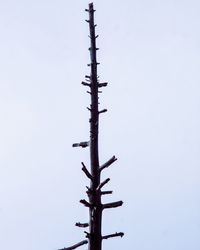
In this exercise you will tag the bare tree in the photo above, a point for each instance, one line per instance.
(94, 191)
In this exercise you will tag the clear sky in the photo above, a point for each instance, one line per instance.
(150, 55)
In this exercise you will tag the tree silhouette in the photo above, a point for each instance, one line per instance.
(94, 191)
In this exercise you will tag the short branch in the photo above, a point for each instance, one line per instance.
(106, 192)
(78, 224)
(87, 77)
(103, 184)
(89, 191)
(112, 204)
(86, 84)
(87, 234)
(76, 245)
(89, 109)
(85, 203)
(87, 173)
(103, 111)
(82, 144)
(108, 163)
(112, 235)
(103, 84)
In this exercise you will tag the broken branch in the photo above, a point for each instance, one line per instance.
(112, 235)
(89, 109)
(112, 204)
(78, 224)
(87, 234)
(103, 111)
(85, 203)
(103, 183)
(76, 245)
(106, 192)
(82, 144)
(108, 163)
(87, 173)
(103, 84)
(86, 84)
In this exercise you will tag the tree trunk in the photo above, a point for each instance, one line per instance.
(94, 192)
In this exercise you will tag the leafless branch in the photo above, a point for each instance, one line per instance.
(103, 111)
(89, 109)
(76, 245)
(85, 203)
(82, 144)
(86, 84)
(87, 173)
(108, 163)
(103, 84)
(78, 224)
(106, 192)
(112, 235)
(112, 204)
(87, 234)
(103, 183)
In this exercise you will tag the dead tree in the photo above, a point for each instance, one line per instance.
(94, 191)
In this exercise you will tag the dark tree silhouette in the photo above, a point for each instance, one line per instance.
(94, 191)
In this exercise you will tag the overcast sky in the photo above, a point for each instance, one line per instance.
(150, 56)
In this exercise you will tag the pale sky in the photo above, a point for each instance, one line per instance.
(150, 56)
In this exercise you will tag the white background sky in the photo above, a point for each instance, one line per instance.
(150, 55)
